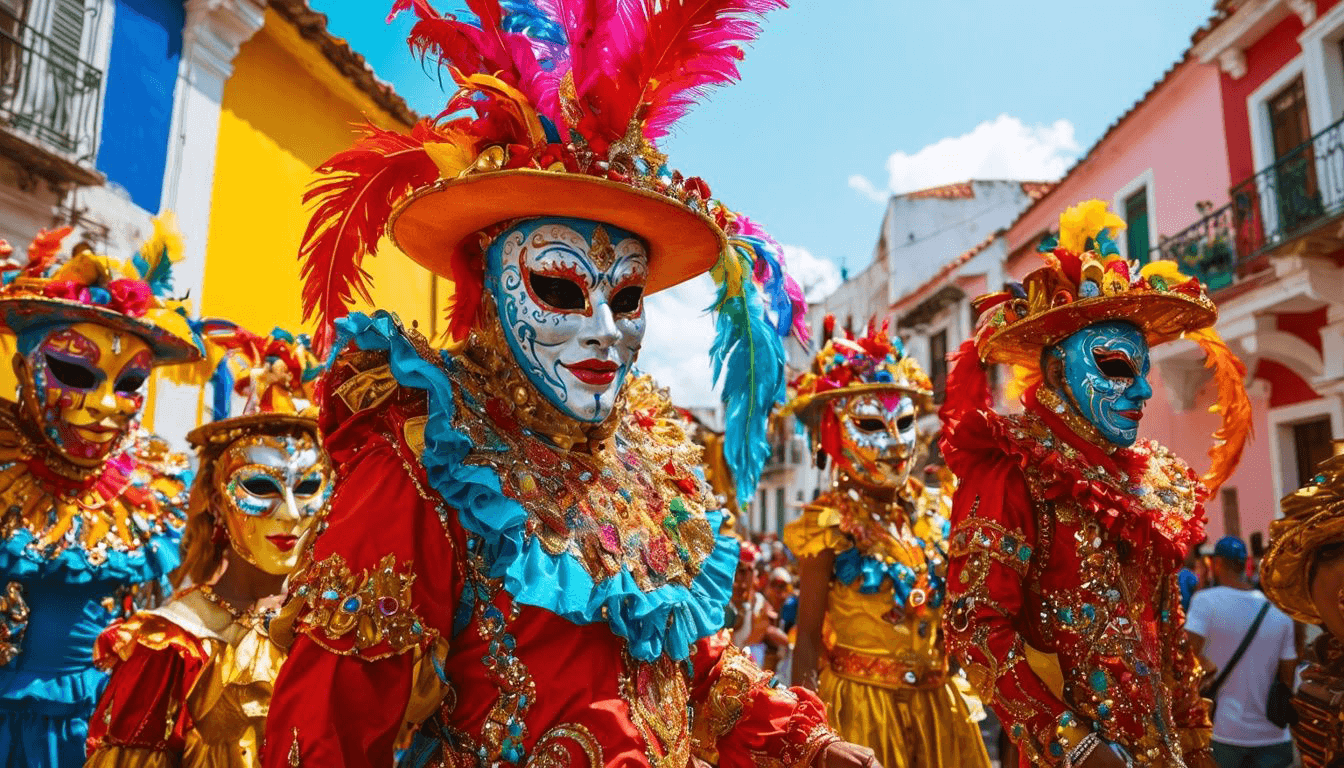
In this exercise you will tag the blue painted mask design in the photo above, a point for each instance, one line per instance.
(570, 298)
(1106, 377)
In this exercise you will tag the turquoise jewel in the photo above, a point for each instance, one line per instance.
(330, 594)
(1097, 679)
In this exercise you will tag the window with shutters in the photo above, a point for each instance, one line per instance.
(49, 92)
(1136, 229)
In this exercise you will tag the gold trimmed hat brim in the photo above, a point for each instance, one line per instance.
(18, 313)
(228, 430)
(806, 407)
(1162, 316)
(1285, 569)
(429, 225)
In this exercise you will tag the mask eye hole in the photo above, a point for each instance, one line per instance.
(71, 374)
(308, 487)
(870, 424)
(626, 301)
(261, 486)
(905, 422)
(130, 382)
(557, 292)
(1114, 364)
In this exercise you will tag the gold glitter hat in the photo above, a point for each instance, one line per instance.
(1313, 517)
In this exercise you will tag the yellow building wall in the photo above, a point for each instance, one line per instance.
(285, 110)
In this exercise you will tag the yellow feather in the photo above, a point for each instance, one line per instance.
(454, 155)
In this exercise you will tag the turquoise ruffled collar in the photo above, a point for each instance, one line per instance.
(665, 621)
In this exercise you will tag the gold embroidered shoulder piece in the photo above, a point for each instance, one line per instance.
(364, 614)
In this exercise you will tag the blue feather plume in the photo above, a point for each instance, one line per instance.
(748, 359)
(159, 275)
(772, 282)
(525, 18)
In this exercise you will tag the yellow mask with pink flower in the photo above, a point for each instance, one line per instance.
(89, 331)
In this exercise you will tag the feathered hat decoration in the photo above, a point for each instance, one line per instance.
(851, 365)
(558, 108)
(1086, 281)
(135, 296)
(274, 374)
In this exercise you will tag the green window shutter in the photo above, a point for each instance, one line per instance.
(1136, 233)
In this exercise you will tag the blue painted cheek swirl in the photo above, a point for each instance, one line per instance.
(1101, 399)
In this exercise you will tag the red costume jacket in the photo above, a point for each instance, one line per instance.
(1062, 596)
(418, 617)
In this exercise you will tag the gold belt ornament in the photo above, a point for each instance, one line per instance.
(886, 671)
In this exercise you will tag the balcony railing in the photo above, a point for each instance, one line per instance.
(1206, 249)
(1301, 190)
(47, 93)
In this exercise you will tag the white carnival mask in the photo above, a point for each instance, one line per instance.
(569, 293)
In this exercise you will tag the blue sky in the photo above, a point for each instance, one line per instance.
(843, 101)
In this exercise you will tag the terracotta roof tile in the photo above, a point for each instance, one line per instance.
(960, 190)
(1037, 189)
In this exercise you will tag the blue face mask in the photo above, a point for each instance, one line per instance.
(1106, 377)
(570, 298)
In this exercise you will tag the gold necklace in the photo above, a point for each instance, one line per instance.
(249, 617)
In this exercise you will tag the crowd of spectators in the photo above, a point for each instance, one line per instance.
(1224, 609)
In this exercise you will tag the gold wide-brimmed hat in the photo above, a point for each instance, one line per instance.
(1086, 281)
(1313, 517)
(431, 224)
(133, 297)
(850, 365)
(274, 373)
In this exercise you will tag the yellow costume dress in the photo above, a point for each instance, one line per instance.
(885, 679)
(191, 686)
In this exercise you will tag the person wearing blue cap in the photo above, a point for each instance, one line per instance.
(1246, 642)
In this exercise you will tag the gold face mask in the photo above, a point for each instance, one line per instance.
(88, 381)
(877, 438)
(274, 488)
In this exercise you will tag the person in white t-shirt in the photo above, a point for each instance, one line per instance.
(1218, 620)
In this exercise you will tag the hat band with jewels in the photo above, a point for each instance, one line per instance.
(430, 224)
(1017, 338)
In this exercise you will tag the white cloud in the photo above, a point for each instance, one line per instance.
(1003, 148)
(817, 277)
(676, 344)
(680, 330)
(863, 186)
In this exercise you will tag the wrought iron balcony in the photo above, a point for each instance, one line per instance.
(1206, 249)
(49, 96)
(1291, 200)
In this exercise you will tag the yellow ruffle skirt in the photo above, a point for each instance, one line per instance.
(907, 728)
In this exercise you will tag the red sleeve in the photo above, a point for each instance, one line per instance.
(993, 543)
(332, 710)
(154, 664)
(379, 591)
(742, 721)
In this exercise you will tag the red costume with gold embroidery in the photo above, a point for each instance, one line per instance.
(1063, 604)
(523, 565)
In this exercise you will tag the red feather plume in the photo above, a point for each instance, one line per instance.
(487, 48)
(691, 45)
(353, 201)
(43, 250)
